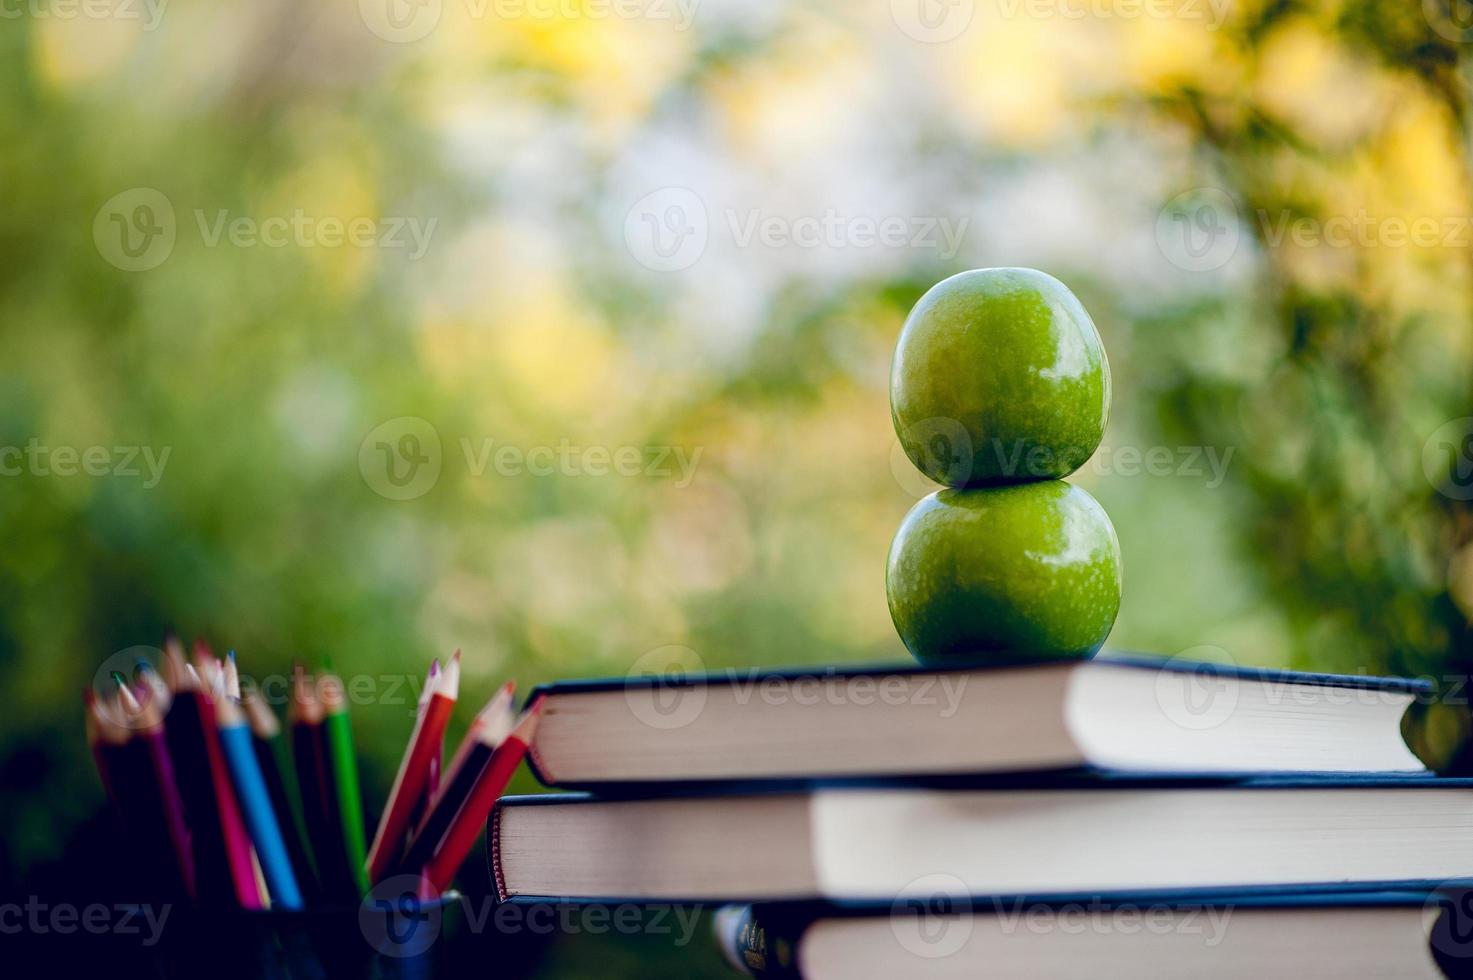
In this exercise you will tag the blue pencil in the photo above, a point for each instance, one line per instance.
(255, 804)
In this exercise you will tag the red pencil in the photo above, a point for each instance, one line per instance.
(232, 824)
(432, 782)
(490, 727)
(440, 870)
(414, 770)
(501, 708)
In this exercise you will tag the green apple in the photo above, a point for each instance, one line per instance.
(1000, 572)
(999, 376)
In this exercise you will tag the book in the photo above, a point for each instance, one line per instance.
(1117, 713)
(1390, 935)
(870, 843)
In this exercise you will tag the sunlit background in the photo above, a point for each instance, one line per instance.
(558, 331)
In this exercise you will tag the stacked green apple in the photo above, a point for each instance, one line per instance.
(1000, 388)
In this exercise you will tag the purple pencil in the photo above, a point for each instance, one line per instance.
(147, 722)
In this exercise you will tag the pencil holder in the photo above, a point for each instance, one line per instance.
(383, 938)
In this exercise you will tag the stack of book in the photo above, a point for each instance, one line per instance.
(1113, 817)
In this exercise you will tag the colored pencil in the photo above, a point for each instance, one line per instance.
(146, 719)
(343, 765)
(267, 744)
(432, 777)
(410, 782)
(146, 678)
(209, 692)
(500, 709)
(255, 804)
(451, 852)
(137, 794)
(487, 731)
(232, 676)
(315, 784)
(91, 712)
(432, 786)
(183, 733)
(218, 810)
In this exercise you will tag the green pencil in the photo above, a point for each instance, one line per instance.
(339, 735)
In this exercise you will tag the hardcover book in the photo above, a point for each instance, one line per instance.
(1110, 713)
(867, 844)
(1384, 935)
